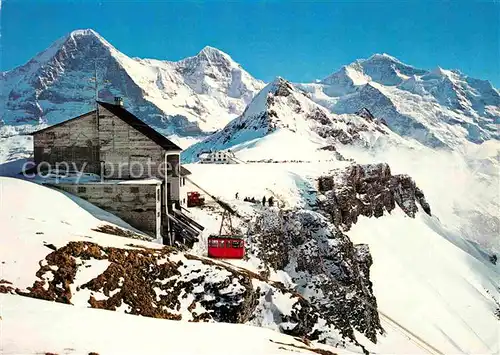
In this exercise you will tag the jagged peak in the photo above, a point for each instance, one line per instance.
(84, 32)
(383, 56)
(280, 86)
(386, 59)
(90, 34)
(442, 74)
(439, 71)
(212, 53)
(352, 73)
(279, 81)
(210, 50)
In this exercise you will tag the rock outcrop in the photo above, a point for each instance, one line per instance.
(166, 283)
(325, 267)
(367, 190)
(323, 264)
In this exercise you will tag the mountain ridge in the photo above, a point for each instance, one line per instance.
(177, 97)
(193, 97)
(283, 114)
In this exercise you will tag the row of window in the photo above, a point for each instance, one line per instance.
(107, 189)
(225, 244)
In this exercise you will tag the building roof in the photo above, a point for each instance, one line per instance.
(184, 171)
(132, 120)
(144, 128)
(63, 122)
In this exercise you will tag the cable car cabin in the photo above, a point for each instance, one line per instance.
(194, 199)
(226, 247)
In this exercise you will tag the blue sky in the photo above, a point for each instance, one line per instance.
(300, 41)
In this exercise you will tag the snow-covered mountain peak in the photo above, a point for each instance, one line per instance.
(439, 108)
(87, 40)
(382, 57)
(439, 71)
(280, 86)
(199, 93)
(381, 68)
(284, 115)
(345, 80)
(85, 32)
(209, 58)
(212, 53)
(387, 70)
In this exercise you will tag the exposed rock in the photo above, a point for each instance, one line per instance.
(329, 271)
(365, 113)
(368, 190)
(283, 88)
(113, 230)
(166, 283)
(5, 287)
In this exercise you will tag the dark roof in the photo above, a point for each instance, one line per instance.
(132, 120)
(184, 171)
(63, 122)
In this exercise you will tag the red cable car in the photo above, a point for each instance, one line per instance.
(226, 247)
(194, 199)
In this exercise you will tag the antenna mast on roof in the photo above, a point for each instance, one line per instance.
(96, 92)
(95, 78)
(96, 87)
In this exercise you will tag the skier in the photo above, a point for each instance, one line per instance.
(270, 201)
(264, 201)
(236, 195)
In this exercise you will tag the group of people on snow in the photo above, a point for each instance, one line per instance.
(270, 200)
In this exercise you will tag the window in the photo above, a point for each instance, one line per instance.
(213, 243)
(236, 244)
(221, 244)
(82, 190)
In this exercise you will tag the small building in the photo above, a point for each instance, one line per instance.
(134, 162)
(218, 157)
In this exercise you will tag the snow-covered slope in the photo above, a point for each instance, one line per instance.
(440, 108)
(31, 326)
(59, 255)
(433, 274)
(31, 233)
(463, 188)
(283, 123)
(428, 278)
(443, 294)
(196, 94)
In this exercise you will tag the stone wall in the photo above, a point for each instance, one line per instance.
(134, 203)
(75, 142)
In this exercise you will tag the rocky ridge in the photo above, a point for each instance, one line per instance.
(166, 283)
(368, 190)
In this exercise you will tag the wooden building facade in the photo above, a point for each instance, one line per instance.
(114, 144)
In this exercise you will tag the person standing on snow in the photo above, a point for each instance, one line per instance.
(236, 195)
(264, 201)
(270, 201)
